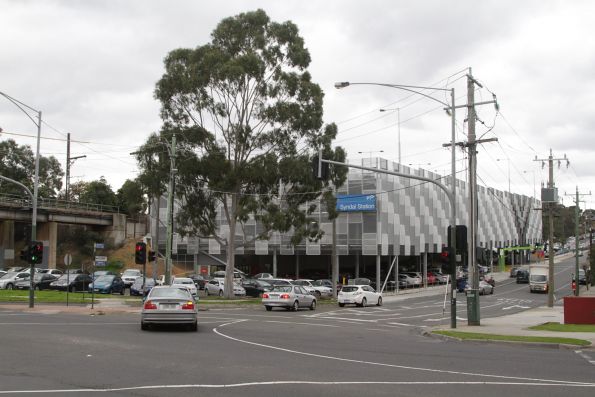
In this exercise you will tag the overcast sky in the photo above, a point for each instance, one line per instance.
(91, 68)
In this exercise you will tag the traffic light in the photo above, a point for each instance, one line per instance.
(319, 169)
(36, 252)
(152, 255)
(445, 255)
(140, 253)
(25, 254)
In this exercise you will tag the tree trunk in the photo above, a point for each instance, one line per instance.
(231, 247)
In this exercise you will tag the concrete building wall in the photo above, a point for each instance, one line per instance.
(412, 217)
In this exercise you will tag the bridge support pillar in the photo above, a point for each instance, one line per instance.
(6, 244)
(116, 233)
(48, 233)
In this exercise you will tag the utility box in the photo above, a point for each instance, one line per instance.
(579, 310)
(473, 307)
(549, 195)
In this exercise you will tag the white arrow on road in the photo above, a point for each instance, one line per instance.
(512, 307)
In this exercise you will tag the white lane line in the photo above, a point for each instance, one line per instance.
(295, 382)
(308, 324)
(297, 352)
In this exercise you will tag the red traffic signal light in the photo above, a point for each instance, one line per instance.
(140, 253)
(36, 252)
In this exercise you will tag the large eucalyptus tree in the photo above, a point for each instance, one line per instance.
(248, 119)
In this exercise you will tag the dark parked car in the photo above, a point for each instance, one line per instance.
(199, 280)
(522, 276)
(107, 284)
(102, 273)
(40, 281)
(136, 289)
(255, 287)
(72, 282)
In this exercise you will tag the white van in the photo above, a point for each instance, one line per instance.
(538, 278)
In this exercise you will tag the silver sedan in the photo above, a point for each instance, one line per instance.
(290, 297)
(169, 305)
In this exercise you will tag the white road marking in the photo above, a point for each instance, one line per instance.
(308, 324)
(297, 382)
(513, 306)
(297, 352)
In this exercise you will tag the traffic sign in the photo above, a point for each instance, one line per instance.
(100, 259)
(99, 246)
(100, 263)
(67, 259)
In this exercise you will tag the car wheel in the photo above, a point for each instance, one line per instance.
(313, 305)
(72, 289)
(364, 302)
(269, 308)
(492, 291)
(206, 291)
(379, 301)
(144, 327)
(341, 304)
(123, 291)
(110, 291)
(9, 286)
(37, 288)
(296, 306)
(220, 292)
(194, 327)
(318, 294)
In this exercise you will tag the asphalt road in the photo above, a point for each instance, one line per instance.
(372, 351)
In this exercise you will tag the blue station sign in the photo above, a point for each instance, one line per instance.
(356, 203)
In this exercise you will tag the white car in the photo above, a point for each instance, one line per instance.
(263, 276)
(217, 286)
(359, 295)
(318, 290)
(9, 279)
(185, 282)
(130, 275)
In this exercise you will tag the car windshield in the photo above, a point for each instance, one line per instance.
(131, 272)
(282, 288)
(301, 282)
(538, 277)
(64, 277)
(170, 293)
(262, 283)
(104, 279)
(183, 281)
(319, 283)
(349, 288)
(9, 275)
(279, 282)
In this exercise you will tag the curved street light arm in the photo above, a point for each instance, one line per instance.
(409, 88)
(20, 184)
(20, 105)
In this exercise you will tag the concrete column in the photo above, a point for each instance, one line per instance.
(274, 262)
(425, 270)
(378, 285)
(356, 265)
(297, 265)
(48, 233)
(6, 244)
(396, 270)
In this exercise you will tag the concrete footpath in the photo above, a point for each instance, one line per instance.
(518, 323)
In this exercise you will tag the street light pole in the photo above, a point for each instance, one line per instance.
(450, 109)
(170, 201)
(20, 105)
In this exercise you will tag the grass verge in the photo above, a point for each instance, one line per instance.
(513, 338)
(46, 297)
(557, 327)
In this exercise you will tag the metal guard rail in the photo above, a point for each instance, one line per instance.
(50, 203)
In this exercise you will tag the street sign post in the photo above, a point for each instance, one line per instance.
(67, 262)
